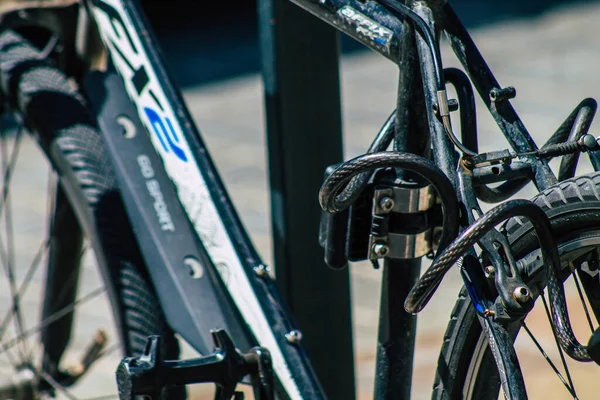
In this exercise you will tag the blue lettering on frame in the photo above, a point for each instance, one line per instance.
(165, 133)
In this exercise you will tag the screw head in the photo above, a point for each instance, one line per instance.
(468, 162)
(381, 250)
(294, 336)
(386, 204)
(489, 271)
(521, 294)
(488, 313)
(262, 271)
(494, 94)
(588, 142)
(452, 104)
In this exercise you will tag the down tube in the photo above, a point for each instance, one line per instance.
(201, 191)
(367, 22)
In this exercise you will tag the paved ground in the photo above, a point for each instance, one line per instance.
(552, 61)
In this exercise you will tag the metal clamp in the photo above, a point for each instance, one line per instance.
(400, 245)
(401, 200)
(404, 200)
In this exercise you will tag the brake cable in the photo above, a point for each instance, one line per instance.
(443, 108)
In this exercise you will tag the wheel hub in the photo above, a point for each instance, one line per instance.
(20, 386)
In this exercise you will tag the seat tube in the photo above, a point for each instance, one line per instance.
(397, 328)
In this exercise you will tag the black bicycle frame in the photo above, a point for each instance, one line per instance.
(382, 30)
(178, 261)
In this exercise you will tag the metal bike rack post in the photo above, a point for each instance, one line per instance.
(301, 76)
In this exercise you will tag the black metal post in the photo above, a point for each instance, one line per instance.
(301, 76)
(397, 328)
(396, 337)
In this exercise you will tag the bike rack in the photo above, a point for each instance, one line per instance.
(299, 57)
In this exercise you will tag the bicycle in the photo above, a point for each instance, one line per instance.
(175, 259)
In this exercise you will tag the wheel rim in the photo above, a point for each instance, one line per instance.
(482, 379)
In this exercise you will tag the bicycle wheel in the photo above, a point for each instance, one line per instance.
(48, 357)
(466, 367)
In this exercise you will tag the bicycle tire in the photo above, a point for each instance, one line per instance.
(51, 105)
(573, 207)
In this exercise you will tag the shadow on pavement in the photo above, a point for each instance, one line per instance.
(205, 46)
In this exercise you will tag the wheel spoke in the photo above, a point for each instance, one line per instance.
(8, 254)
(54, 317)
(9, 356)
(560, 350)
(543, 352)
(6, 172)
(55, 367)
(10, 166)
(52, 382)
(14, 306)
(25, 284)
(580, 292)
(106, 397)
(51, 200)
(29, 276)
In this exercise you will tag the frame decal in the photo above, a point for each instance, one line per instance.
(367, 28)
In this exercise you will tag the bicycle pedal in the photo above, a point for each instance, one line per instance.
(593, 347)
(149, 374)
(91, 355)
